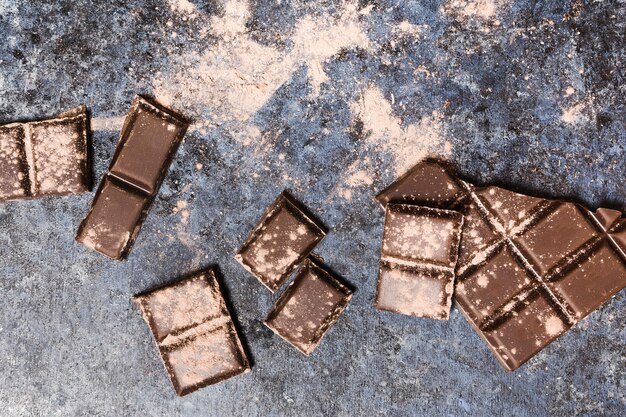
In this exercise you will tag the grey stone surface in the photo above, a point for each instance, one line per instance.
(523, 93)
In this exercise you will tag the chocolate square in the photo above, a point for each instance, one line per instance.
(418, 257)
(310, 305)
(48, 157)
(284, 236)
(194, 332)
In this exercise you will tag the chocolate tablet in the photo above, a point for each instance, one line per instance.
(529, 268)
(418, 257)
(194, 332)
(285, 235)
(149, 140)
(312, 303)
(48, 157)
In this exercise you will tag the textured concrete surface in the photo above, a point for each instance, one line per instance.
(331, 100)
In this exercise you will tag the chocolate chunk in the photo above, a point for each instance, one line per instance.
(194, 332)
(418, 257)
(48, 157)
(149, 140)
(285, 235)
(312, 303)
(529, 268)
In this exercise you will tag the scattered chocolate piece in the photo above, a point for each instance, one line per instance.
(312, 303)
(285, 235)
(418, 257)
(529, 268)
(149, 140)
(194, 332)
(48, 157)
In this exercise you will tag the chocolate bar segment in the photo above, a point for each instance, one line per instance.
(48, 157)
(310, 305)
(194, 332)
(418, 257)
(529, 268)
(285, 235)
(150, 137)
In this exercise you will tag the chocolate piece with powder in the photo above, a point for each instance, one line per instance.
(312, 303)
(48, 157)
(194, 332)
(149, 140)
(418, 257)
(529, 268)
(285, 235)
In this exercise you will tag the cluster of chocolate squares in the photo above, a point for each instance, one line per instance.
(522, 269)
(189, 319)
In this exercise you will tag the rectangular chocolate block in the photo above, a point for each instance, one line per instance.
(149, 140)
(529, 268)
(418, 257)
(284, 236)
(309, 306)
(48, 157)
(194, 332)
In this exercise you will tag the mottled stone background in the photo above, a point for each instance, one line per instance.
(331, 100)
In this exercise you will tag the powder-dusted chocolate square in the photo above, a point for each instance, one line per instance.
(194, 332)
(114, 219)
(48, 157)
(418, 257)
(312, 303)
(285, 235)
(148, 142)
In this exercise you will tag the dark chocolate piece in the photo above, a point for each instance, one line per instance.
(418, 257)
(48, 157)
(312, 303)
(149, 140)
(194, 332)
(285, 235)
(529, 268)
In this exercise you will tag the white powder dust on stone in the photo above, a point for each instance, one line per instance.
(485, 9)
(408, 144)
(184, 7)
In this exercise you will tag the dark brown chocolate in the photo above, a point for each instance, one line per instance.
(310, 305)
(284, 236)
(48, 157)
(194, 332)
(149, 140)
(418, 257)
(529, 268)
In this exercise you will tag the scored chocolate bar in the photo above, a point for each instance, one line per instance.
(149, 140)
(418, 257)
(47, 157)
(194, 332)
(284, 236)
(309, 306)
(529, 268)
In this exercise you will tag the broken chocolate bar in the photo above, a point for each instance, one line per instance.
(194, 332)
(48, 157)
(310, 305)
(529, 268)
(149, 140)
(418, 257)
(285, 235)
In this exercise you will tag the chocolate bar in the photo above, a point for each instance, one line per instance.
(529, 268)
(310, 305)
(47, 157)
(285, 235)
(418, 257)
(194, 332)
(149, 140)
